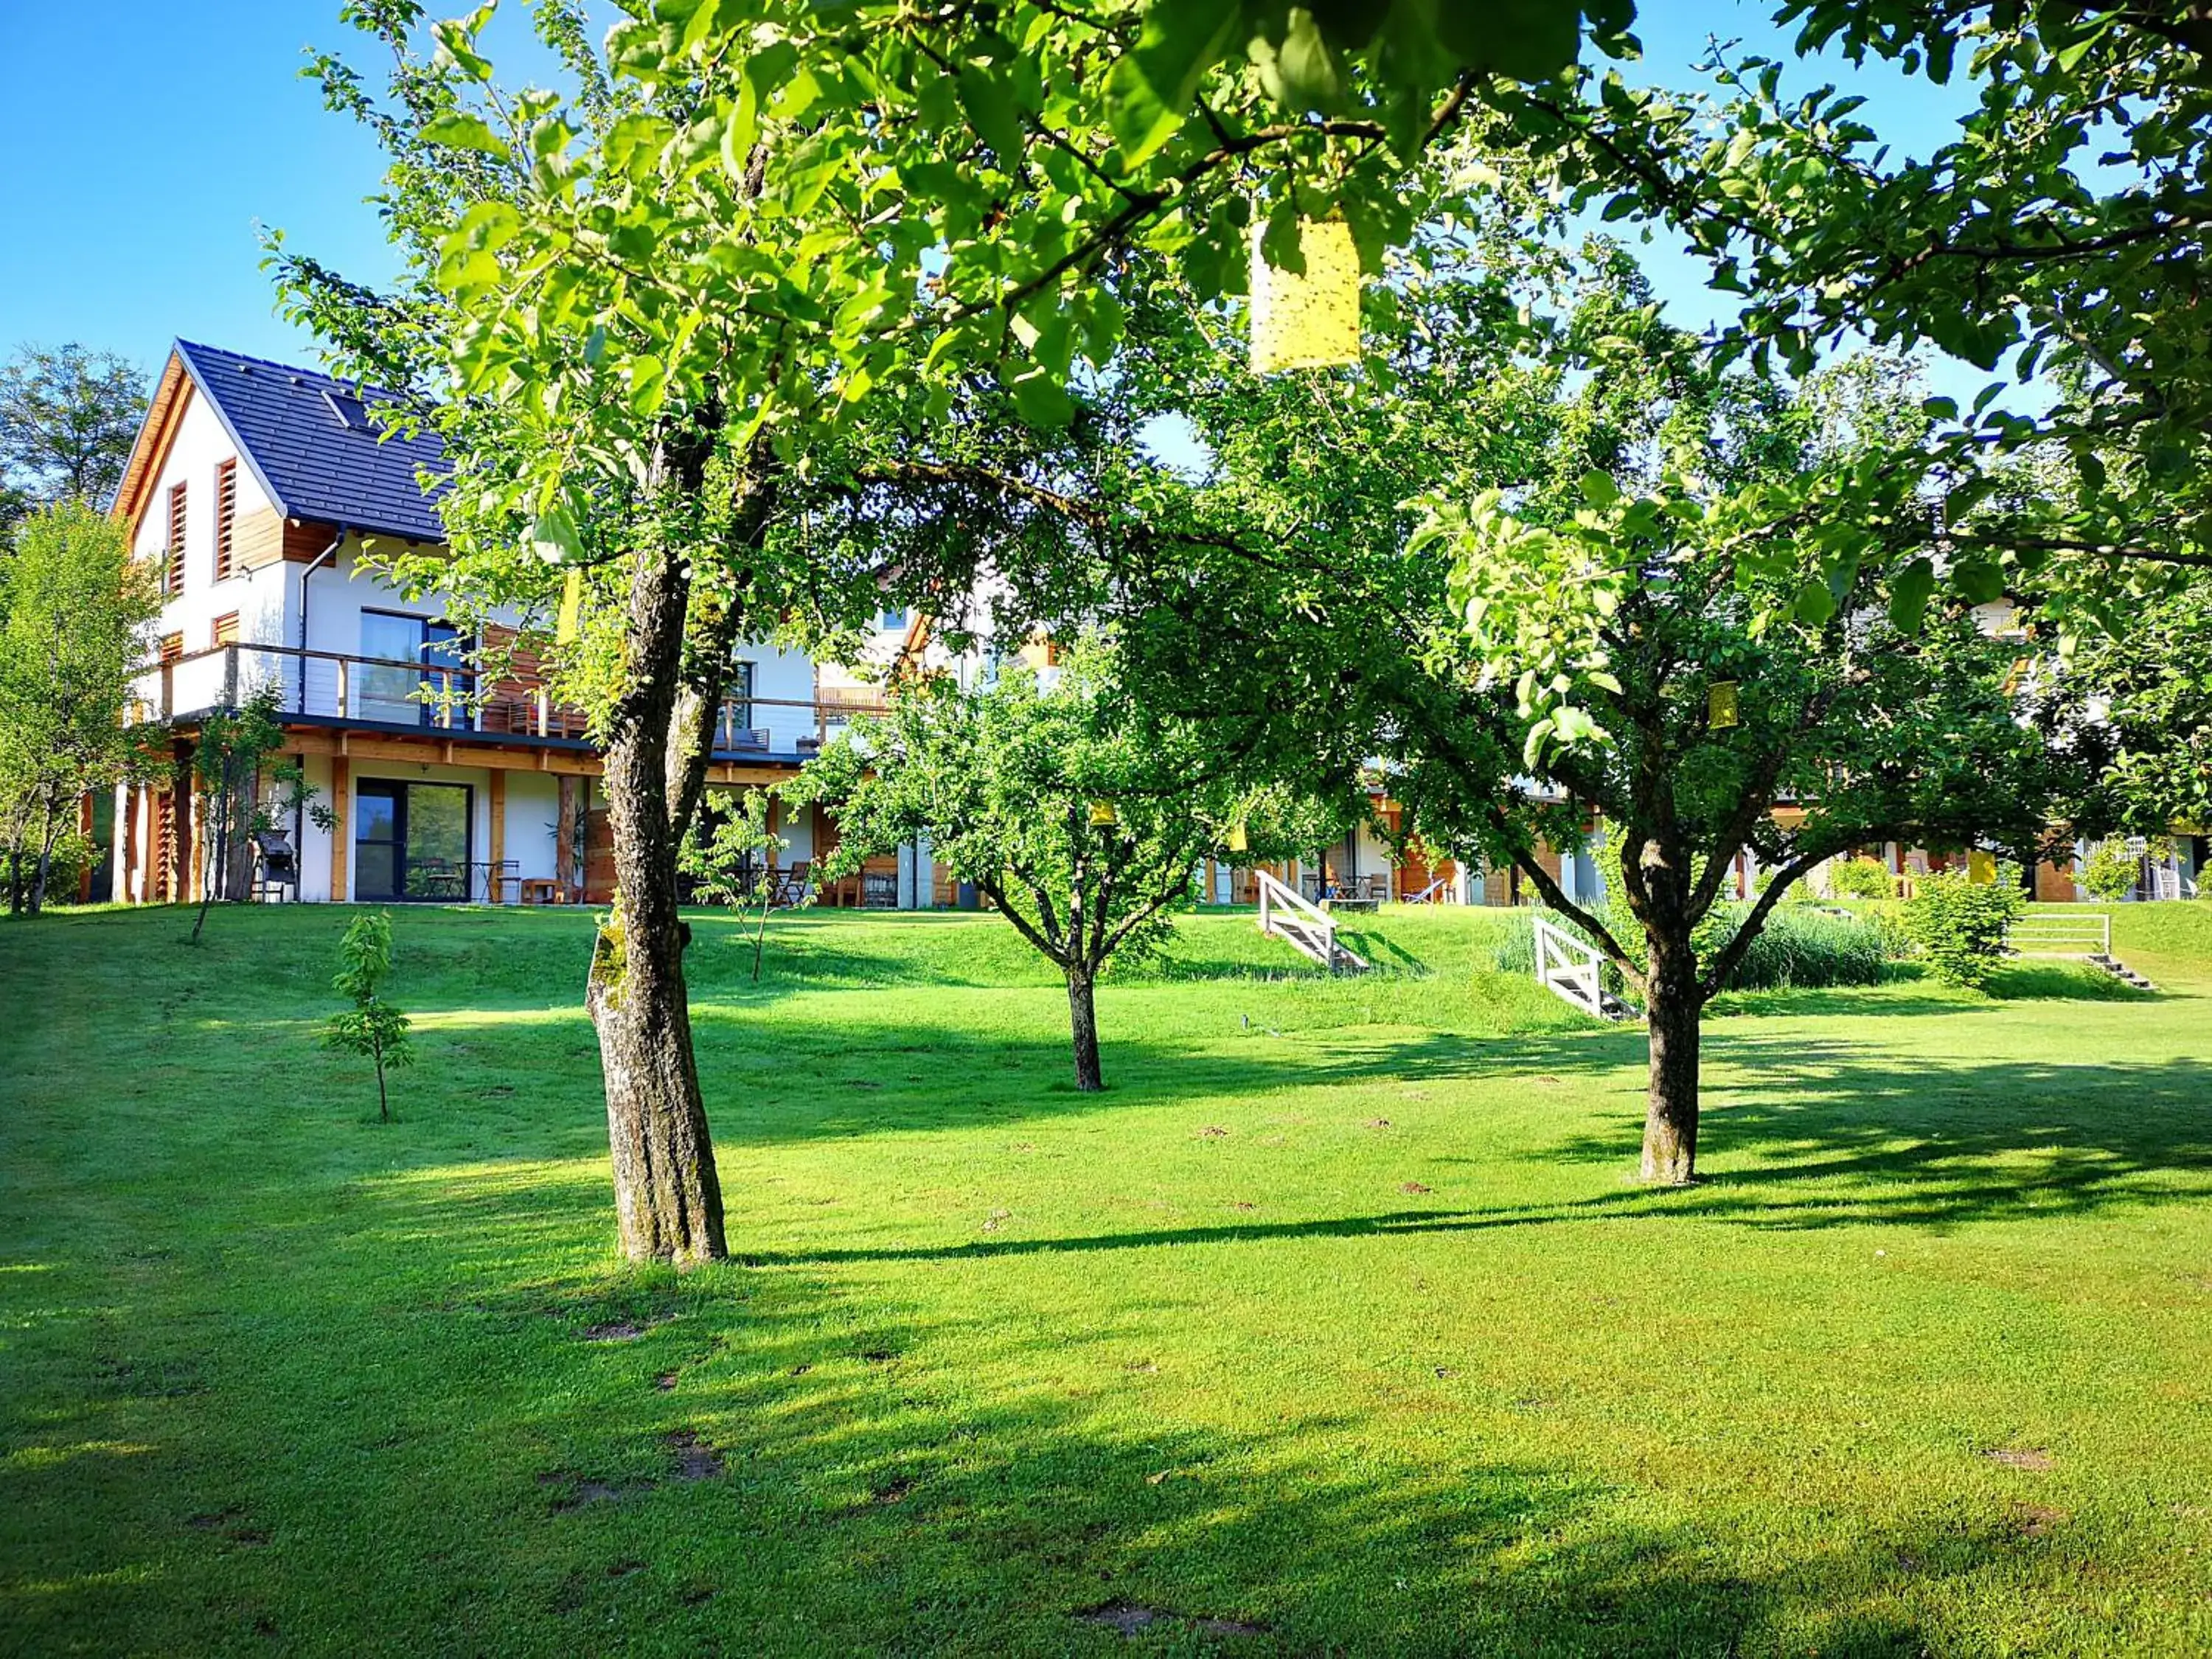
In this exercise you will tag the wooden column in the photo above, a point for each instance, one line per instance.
(565, 877)
(341, 824)
(127, 842)
(498, 849)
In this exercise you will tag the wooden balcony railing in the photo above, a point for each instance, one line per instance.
(452, 697)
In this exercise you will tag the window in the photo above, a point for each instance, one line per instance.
(226, 628)
(387, 690)
(226, 517)
(172, 579)
(173, 647)
(895, 618)
(349, 410)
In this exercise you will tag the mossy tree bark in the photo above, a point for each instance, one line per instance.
(668, 1196)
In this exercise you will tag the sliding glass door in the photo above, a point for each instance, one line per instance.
(411, 841)
(390, 689)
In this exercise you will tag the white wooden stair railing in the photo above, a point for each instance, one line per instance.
(1305, 927)
(2075, 935)
(1574, 972)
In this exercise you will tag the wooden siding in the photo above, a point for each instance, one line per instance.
(258, 539)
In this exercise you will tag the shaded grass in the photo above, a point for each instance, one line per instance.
(1338, 1316)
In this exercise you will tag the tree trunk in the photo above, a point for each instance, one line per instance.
(237, 849)
(46, 832)
(1670, 1122)
(44, 857)
(668, 1201)
(1083, 1020)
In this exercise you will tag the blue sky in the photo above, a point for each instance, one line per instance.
(141, 164)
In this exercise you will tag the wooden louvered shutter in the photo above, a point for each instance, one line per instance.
(226, 517)
(174, 578)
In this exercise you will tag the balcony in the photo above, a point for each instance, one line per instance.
(453, 700)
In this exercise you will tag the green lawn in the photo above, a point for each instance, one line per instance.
(1337, 1325)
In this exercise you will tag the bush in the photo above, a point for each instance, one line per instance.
(2113, 870)
(1861, 878)
(73, 853)
(1959, 924)
(1799, 947)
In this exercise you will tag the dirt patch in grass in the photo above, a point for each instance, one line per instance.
(623, 1330)
(2036, 1520)
(230, 1526)
(695, 1459)
(1133, 1618)
(2034, 1459)
(578, 1491)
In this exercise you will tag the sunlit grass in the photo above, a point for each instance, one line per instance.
(1340, 1316)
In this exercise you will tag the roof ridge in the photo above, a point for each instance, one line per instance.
(354, 388)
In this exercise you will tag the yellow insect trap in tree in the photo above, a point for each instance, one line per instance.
(1236, 842)
(1720, 705)
(1103, 815)
(1307, 320)
(572, 607)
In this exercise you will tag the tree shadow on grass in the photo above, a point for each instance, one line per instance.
(898, 1478)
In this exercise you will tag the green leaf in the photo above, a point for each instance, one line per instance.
(1816, 604)
(1041, 400)
(1598, 489)
(993, 114)
(1909, 595)
(1979, 581)
(1150, 91)
(462, 131)
(553, 536)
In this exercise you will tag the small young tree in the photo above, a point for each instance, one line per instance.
(1960, 923)
(2113, 870)
(372, 1028)
(1861, 878)
(733, 863)
(229, 763)
(1079, 814)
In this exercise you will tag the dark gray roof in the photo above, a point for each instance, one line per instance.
(291, 426)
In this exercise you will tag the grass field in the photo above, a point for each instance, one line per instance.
(1336, 1325)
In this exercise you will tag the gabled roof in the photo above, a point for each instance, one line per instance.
(307, 440)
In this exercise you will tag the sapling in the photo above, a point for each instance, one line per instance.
(372, 1028)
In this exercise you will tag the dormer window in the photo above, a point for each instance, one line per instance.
(352, 413)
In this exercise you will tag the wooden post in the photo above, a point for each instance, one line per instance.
(498, 832)
(564, 839)
(128, 840)
(341, 818)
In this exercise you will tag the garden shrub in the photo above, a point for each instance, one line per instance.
(1861, 878)
(1799, 947)
(1960, 923)
(2112, 871)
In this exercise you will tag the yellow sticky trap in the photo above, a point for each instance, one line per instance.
(1982, 868)
(1103, 815)
(1310, 320)
(1236, 840)
(1721, 707)
(572, 607)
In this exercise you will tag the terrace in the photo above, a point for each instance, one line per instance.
(445, 698)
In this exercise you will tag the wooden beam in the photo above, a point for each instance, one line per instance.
(498, 850)
(341, 824)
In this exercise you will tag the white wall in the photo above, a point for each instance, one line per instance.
(200, 444)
